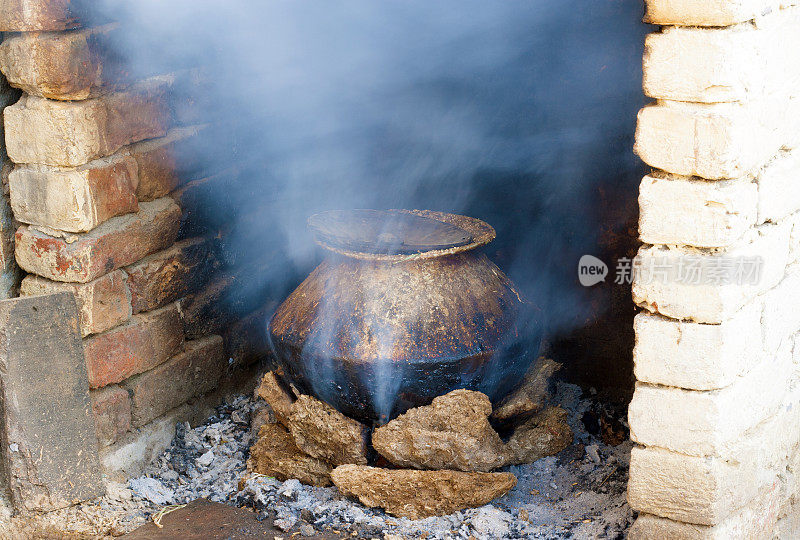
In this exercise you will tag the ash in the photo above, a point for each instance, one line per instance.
(205, 462)
(580, 493)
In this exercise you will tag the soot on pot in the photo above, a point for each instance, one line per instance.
(403, 308)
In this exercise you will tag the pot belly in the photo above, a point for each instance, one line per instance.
(378, 390)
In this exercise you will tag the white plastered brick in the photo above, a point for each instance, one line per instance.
(781, 316)
(663, 281)
(716, 141)
(678, 210)
(697, 356)
(709, 12)
(715, 65)
(779, 188)
(756, 521)
(710, 423)
(708, 490)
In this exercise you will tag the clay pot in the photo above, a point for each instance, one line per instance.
(402, 309)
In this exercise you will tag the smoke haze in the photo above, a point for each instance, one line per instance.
(520, 113)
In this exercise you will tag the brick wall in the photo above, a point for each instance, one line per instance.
(716, 410)
(102, 185)
(9, 272)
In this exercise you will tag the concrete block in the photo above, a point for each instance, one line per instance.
(69, 134)
(74, 200)
(49, 445)
(685, 211)
(102, 304)
(702, 491)
(697, 356)
(118, 242)
(710, 286)
(147, 340)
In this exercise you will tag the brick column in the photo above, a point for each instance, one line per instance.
(716, 411)
(100, 178)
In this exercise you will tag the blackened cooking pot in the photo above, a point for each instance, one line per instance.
(402, 309)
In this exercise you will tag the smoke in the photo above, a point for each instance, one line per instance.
(520, 113)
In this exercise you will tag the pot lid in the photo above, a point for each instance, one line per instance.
(397, 234)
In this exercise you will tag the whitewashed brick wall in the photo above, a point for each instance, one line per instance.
(716, 411)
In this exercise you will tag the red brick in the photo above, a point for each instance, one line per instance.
(208, 311)
(138, 114)
(74, 200)
(164, 163)
(63, 66)
(144, 342)
(73, 133)
(118, 242)
(112, 414)
(195, 371)
(171, 274)
(6, 247)
(195, 197)
(102, 304)
(10, 274)
(32, 15)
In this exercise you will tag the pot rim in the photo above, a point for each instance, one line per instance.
(481, 232)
